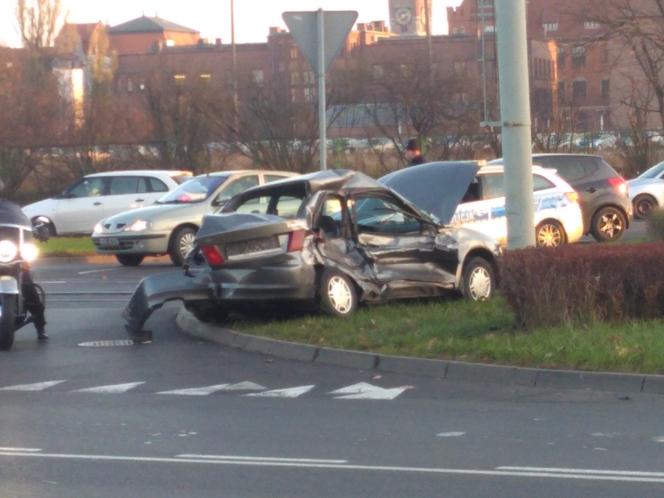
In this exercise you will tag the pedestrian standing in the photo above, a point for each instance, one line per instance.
(413, 152)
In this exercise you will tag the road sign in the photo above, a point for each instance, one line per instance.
(303, 27)
(320, 35)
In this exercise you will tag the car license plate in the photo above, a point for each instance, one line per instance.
(109, 241)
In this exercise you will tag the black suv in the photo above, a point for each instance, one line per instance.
(605, 205)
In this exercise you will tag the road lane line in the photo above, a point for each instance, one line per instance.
(27, 450)
(195, 391)
(584, 471)
(110, 389)
(38, 386)
(374, 468)
(259, 459)
(88, 272)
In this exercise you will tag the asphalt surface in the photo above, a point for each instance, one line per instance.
(87, 415)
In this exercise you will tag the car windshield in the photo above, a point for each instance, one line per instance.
(653, 172)
(284, 200)
(195, 190)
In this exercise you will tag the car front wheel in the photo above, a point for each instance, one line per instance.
(181, 244)
(643, 206)
(609, 224)
(549, 233)
(130, 259)
(479, 279)
(337, 294)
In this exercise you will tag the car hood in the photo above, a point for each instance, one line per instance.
(149, 213)
(44, 207)
(435, 188)
(644, 181)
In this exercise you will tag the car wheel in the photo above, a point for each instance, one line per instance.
(479, 279)
(550, 233)
(643, 206)
(130, 259)
(49, 225)
(608, 224)
(337, 294)
(182, 243)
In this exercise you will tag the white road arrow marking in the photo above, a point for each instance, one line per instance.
(196, 391)
(290, 392)
(245, 386)
(110, 389)
(39, 386)
(364, 390)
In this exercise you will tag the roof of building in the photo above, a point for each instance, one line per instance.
(145, 24)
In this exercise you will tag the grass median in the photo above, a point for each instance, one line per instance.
(67, 246)
(476, 332)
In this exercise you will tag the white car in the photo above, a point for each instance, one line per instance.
(646, 191)
(558, 218)
(96, 196)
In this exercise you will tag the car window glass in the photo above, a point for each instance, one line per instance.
(569, 167)
(88, 187)
(541, 183)
(273, 178)
(374, 215)
(655, 172)
(473, 192)
(492, 186)
(237, 186)
(157, 185)
(121, 185)
(195, 190)
(143, 185)
(286, 206)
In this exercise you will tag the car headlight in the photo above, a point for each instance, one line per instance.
(136, 226)
(29, 252)
(98, 228)
(8, 251)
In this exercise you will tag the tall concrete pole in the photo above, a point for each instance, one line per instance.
(515, 118)
(322, 121)
(234, 69)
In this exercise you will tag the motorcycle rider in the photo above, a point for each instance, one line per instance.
(11, 213)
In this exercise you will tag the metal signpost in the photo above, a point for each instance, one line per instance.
(515, 120)
(319, 35)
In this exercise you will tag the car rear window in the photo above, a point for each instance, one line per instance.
(157, 185)
(541, 183)
(577, 168)
(195, 190)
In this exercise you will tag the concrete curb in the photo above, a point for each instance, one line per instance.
(440, 369)
(103, 259)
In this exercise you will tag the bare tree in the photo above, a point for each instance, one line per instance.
(38, 22)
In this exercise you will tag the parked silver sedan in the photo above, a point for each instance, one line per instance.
(169, 226)
(646, 191)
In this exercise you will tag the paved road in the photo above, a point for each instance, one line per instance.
(89, 415)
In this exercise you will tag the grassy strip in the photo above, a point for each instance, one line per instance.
(478, 332)
(67, 246)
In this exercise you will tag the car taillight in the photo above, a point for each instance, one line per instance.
(296, 240)
(212, 255)
(618, 184)
(572, 196)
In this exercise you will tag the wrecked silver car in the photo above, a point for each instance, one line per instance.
(336, 238)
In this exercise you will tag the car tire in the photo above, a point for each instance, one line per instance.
(130, 259)
(550, 233)
(608, 224)
(643, 206)
(50, 226)
(479, 279)
(337, 294)
(182, 242)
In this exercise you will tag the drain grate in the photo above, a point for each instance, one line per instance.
(107, 344)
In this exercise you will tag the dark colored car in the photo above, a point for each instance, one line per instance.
(605, 205)
(336, 238)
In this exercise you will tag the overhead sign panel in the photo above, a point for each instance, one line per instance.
(303, 27)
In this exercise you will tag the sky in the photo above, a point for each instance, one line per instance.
(253, 18)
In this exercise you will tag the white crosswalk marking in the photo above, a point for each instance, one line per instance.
(196, 391)
(39, 386)
(364, 390)
(110, 389)
(245, 386)
(291, 392)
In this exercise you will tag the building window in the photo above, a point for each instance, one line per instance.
(130, 85)
(550, 26)
(293, 53)
(605, 56)
(579, 90)
(257, 76)
(205, 76)
(170, 43)
(293, 95)
(591, 25)
(308, 77)
(459, 30)
(604, 89)
(561, 58)
(561, 91)
(490, 29)
(377, 72)
(295, 78)
(309, 94)
(405, 70)
(579, 56)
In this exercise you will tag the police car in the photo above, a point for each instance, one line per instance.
(558, 218)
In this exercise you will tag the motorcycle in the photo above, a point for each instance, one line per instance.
(17, 251)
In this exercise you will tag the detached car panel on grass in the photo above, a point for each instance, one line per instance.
(335, 238)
